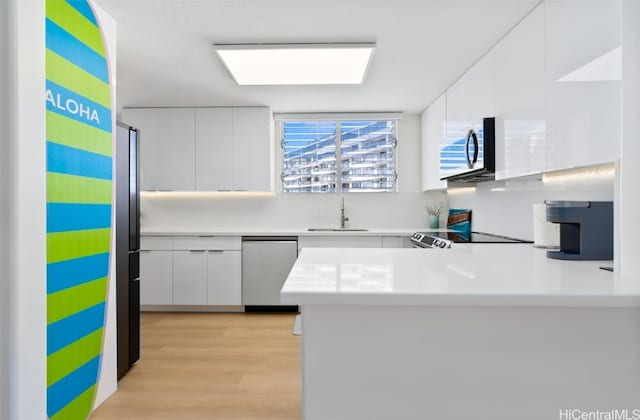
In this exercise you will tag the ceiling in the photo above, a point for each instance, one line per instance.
(165, 57)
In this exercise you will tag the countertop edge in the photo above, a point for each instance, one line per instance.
(591, 301)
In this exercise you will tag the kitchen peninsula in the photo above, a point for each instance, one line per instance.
(482, 332)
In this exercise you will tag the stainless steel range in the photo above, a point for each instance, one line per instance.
(445, 239)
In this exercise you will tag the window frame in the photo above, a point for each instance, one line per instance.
(338, 119)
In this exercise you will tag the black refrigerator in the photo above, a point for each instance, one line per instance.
(127, 226)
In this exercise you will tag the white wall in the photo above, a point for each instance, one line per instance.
(509, 211)
(404, 209)
(629, 206)
(24, 201)
(4, 226)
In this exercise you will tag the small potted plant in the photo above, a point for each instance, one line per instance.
(434, 215)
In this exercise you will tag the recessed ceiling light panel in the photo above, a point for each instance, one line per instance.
(297, 64)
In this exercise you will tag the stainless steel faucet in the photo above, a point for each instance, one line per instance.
(343, 219)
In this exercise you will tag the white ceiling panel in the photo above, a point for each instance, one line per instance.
(166, 58)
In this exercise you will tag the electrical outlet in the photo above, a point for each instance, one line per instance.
(321, 211)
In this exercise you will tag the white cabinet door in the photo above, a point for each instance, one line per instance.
(252, 150)
(471, 97)
(520, 99)
(433, 121)
(190, 277)
(469, 100)
(156, 281)
(214, 149)
(583, 82)
(223, 277)
(167, 141)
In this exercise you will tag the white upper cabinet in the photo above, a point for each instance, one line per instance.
(519, 69)
(433, 120)
(204, 149)
(471, 97)
(252, 157)
(214, 147)
(583, 85)
(166, 147)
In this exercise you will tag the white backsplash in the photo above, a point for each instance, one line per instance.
(506, 208)
(166, 211)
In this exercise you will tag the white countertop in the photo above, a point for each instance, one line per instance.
(470, 275)
(281, 232)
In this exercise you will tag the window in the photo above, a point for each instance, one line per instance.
(339, 156)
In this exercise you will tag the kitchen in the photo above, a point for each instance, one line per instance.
(565, 131)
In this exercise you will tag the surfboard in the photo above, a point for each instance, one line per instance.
(79, 204)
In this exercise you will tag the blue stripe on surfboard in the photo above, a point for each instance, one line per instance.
(73, 50)
(64, 217)
(69, 160)
(67, 389)
(70, 329)
(70, 273)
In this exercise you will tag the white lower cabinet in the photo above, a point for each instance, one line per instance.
(191, 270)
(190, 277)
(156, 277)
(224, 280)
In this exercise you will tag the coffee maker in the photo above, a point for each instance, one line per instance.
(586, 229)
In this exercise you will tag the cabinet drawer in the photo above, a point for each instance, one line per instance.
(186, 243)
(160, 243)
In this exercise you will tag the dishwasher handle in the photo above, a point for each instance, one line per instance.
(269, 239)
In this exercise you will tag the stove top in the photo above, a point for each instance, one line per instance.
(479, 237)
(426, 239)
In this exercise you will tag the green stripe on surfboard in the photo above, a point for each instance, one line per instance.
(64, 188)
(77, 409)
(71, 357)
(72, 77)
(63, 246)
(63, 130)
(75, 299)
(72, 21)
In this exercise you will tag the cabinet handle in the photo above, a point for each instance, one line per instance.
(197, 250)
(217, 250)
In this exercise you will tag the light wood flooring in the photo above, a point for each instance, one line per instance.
(211, 366)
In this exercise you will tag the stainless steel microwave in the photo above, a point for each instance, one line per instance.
(468, 151)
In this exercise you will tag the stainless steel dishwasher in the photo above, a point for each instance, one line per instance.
(266, 262)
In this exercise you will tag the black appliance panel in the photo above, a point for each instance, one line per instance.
(479, 162)
(134, 188)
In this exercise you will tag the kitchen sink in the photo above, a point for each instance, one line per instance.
(337, 230)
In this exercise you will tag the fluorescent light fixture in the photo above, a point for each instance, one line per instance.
(607, 67)
(297, 64)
